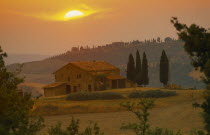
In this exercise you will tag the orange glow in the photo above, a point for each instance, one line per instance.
(49, 26)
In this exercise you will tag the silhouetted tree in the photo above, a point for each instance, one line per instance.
(15, 109)
(158, 39)
(138, 69)
(164, 68)
(197, 45)
(131, 69)
(145, 77)
(168, 39)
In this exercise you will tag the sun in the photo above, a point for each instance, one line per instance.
(74, 14)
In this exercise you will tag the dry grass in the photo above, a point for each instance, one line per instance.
(64, 106)
(175, 112)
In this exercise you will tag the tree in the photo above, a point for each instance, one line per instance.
(168, 39)
(145, 77)
(141, 111)
(158, 39)
(164, 68)
(197, 45)
(142, 127)
(15, 110)
(131, 69)
(138, 68)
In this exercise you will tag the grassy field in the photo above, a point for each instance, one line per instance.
(174, 112)
(61, 106)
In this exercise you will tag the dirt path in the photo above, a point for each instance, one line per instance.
(178, 117)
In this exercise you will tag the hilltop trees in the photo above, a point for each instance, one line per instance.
(15, 110)
(164, 68)
(139, 74)
(131, 69)
(197, 45)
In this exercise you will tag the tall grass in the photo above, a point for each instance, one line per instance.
(82, 96)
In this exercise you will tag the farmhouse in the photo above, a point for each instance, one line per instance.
(85, 76)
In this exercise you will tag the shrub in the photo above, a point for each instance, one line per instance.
(173, 86)
(81, 96)
(151, 94)
(160, 131)
(73, 129)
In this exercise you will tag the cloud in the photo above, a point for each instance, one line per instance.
(59, 15)
(53, 10)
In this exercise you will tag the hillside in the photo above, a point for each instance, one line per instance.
(22, 58)
(117, 54)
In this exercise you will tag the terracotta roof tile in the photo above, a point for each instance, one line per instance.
(94, 65)
(115, 77)
(56, 84)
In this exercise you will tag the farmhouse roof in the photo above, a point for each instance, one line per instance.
(92, 66)
(53, 85)
(115, 77)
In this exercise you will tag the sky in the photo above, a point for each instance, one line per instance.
(40, 26)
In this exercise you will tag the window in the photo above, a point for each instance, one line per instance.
(89, 88)
(79, 76)
(75, 88)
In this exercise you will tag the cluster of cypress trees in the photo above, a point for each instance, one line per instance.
(138, 72)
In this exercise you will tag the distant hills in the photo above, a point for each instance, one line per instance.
(22, 58)
(117, 54)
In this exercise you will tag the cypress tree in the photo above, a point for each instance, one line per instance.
(145, 77)
(164, 68)
(138, 68)
(131, 69)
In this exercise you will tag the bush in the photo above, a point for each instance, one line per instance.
(173, 86)
(74, 128)
(160, 131)
(81, 96)
(151, 94)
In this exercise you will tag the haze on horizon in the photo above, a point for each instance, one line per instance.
(36, 26)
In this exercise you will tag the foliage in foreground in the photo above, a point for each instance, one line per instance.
(15, 110)
(81, 96)
(142, 127)
(151, 94)
(141, 111)
(197, 45)
(73, 129)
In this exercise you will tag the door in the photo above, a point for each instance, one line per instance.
(114, 84)
(121, 83)
(68, 89)
(75, 88)
(89, 88)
